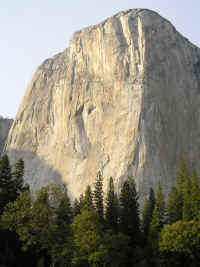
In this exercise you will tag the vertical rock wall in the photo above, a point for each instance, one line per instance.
(5, 125)
(124, 98)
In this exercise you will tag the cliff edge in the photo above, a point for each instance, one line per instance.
(124, 98)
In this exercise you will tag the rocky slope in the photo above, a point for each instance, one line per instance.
(5, 125)
(124, 98)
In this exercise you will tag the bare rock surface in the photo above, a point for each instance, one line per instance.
(124, 98)
(5, 125)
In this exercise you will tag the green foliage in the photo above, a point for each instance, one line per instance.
(7, 192)
(155, 228)
(98, 196)
(76, 207)
(62, 247)
(17, 217)
(147, 213)
(81, 201)
(87, 232)
(160, 203)
(43, 224)
(157, 221)
(112, 208)
(187, 199)
(64, 210)
(88, 200)
(182, 173)
(195, 196)
(182, 238)
(55, 234)
(11, 184)
(18, 176)
(10, 245)
(129, 212)
(114, 249)
(174, 206)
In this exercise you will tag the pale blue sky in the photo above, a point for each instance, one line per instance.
(34, 30)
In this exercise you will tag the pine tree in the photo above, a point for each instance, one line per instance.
(147, 213)
(111, 212)
(43, 214)
(145, 217)
(129, 212)
(182, 173)
(155, 228)
(76, 207)
(7, 189)
(187, 199)
(61, 251)
(158, 219)
(195, 195)
(64, 210)
(81, 201)
(179, 243)
(98, 196)
(18, 177)
(88, 200)
(174, 206)
(160, 203)
(14, 222)
(88, 237)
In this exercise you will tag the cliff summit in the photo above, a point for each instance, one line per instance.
(124, 99)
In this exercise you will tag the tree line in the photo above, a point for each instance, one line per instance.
(47, 229)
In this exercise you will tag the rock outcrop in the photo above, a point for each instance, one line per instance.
(124, 98)
(5, 125)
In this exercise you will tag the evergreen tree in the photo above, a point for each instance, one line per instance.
(42, 225)
(157, 221)
(180, 242)
(42, 222)
(174, 207)
(145, 217)
(64, 211)
(182, 174)
(160, 203)
(151, 200)
(147, 213)
(155, 228)
(187, 199)
(195, 195)
(13, 219)
(61, 251)
(88, 200)
(129, 212)
(88, 236)
(81, 201)
(7, 189)
(98, 196)
(114, 250)
(18, 176)
(111, 212)
(76, 207)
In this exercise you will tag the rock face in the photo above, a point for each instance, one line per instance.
(124, 98)
(4, 128)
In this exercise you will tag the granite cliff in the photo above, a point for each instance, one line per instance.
(124, 98)
(5, 125)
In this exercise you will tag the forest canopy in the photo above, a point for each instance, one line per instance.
(98, 229)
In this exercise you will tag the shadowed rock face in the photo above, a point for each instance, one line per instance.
(124, 98)
(5, 125)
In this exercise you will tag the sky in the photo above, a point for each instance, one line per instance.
(31, 31)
